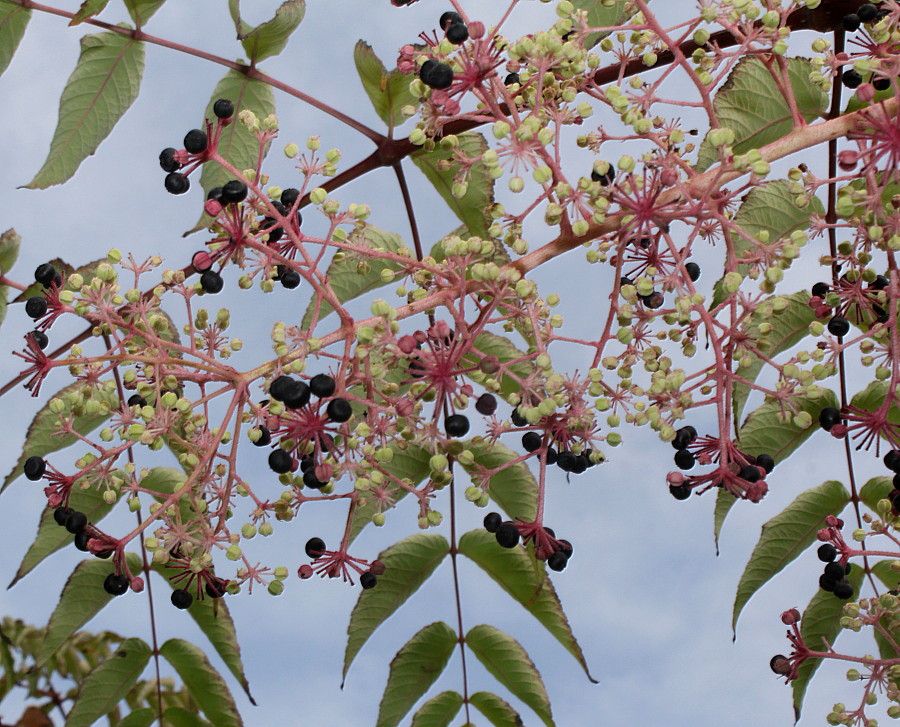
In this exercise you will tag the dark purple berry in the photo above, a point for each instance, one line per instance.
(492, 521)
(181, 598)
(765, 461)
(116, 584)
(531, 441)
(456, 425)
(851, 79)
(137, 400)
(826, 552)
(281, 387)
(298, 396)
(867, 13)
(280, 461)
(448, 18)
(315, 547)
(834, 570)
(850, 22)
(311, 481)
(838, 326)
(820, 290)
(826, 583)
(557, 561)
(368, 580)
(81, 541)
(567, 461)
(684, 460)
(223, 108)
(167, 160)
(507, 535)
(45, 274)
(457, 33)
(339, 410)
(291, 279)
(289, 196)
(76, 522)
(35, 467)
(605, 180)
(843, 590)
(881, 83)
(265, 436)
(61, 515)
(828, 417)
(211, 282)
(552, 456)
(684, 436)
(693, 271)
(234, 191)
(518, 420)
(322, 385)
(892, 460)
(750, 473)
(436, 75)
(271, 229)
(195, 141)
(36, 307)
(215, 588)
(780, 664)
(215, 194)
(566, 548)
(680, 492)
(654, 300)
(486, 404)
(40, 338)
(512, 78)
(580, 464)
(176, 183)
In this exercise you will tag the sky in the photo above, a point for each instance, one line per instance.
(645, 593)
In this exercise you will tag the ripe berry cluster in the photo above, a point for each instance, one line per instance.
(36, 306)
(568, 461)
(833, 578)
(547, 547)
(197, 145)
(851, 22)
(334, 563)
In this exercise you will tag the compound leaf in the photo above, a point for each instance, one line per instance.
(203, 682)
(13, 21)
(104, 84)
(108, 683)
(387, 90)
(508, 663)
(496, 710)
(408, 563)
(752, 105)
(524, 578)
(416, 666)
(787, 535)
(513, 488)
(438, 711)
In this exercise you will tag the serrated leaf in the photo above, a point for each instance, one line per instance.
(410, 463)
(408, 564)
(416, 666)
(142, 10)
(180, 717)
(237, 145)
(82, 598)
(139, 718)
(270, 38)
(724, 502)
(345, 277)
(524, 578)
(108, 683)
(40, 439)
(788, 328)
(490, 344)
(470, 208)
(887, 575)
(878, 488)
(203, 682)
(88, 9)
(438, 711)
(787, 535)
(10, 241)
(388, 91)
(600, 15)
(214, 620)
(508, 663)
(13, 21)
(514, 488)
(764, 432)
(751, 104)
(873, 397)
(104, 84)
(496, 710)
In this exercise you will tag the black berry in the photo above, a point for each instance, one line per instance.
(116, 584)
(181, 598)
(311, 481)
(892, 460)
(35, 467)
(558, 561)
(820, 290)
(223, 108)
(234, 191)
(826, 583)
(81, 541)
(843, 590)
(881, 83)
(290, 279)
(315, 547)
(265, 437)
(269, 225)
(339, 410)
(40, 338)
(780, 664)
(531, 441)
(436, 75)
(177, 183)
(867, 13)
(280, 389)
(297, 396)
(654, 300)
(680, 492)
(552, 456)
(517, 419)
(834, 570)
(167, 160)
(289, 196)
(567, 461)
(215, 194)
(215, 588)
(693, 271)
(76, 522)
(684, 460)
(36, 307)
(492, 521)
(322, 385)
(512, 78)
(838, 326)
(486, 404)
(448, 18)
(45, 274)
(61, 515)
(211, 282)
(828, 417)
(507, 535)
(826, 552)
(368, 580)
(456, 425)
(851, 79)
(280, 461)
(683, 437)
(850, 22)
(195, 141)
(137, 400)
(765, 461)
(750, 473)
(605, 180)
(457, 33)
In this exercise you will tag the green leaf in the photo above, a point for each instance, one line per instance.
(878, 488)
(789, 327)
(496, 710)
(10, 241)
(180, 717)
(438, 711)
(237, 145)
(724, 502)
(470, 208)
(416, 666)
(490, 344)
(108, 683)
(242, 28)
(787, 535)
(751, 104)
(508, 663)
(139, 718)
(142, 10)
(873, 397)
(601, 16)
(87, 270)
(41, 438)
(271, 37)
(887, 575)
(13, 21)
(104, 84)
(203, 682)
(410, 464)
(820, 620)
(82, 598)
(88, 9)
(408, 564)
(514, 488)
(524, 578)
(348, 279)
(388, 91)
(764, 432)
